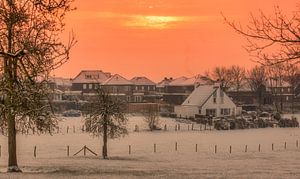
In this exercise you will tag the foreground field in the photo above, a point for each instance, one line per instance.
(166, 162)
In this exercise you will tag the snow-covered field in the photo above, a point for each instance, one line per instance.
(52, 160)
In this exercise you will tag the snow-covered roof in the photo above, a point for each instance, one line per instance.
(195, 80)
(200, 95)
(91, 76)
(117, 80)
(141, 80)
(271, 83)
(164, 82)
(61, 81)
(178, 81)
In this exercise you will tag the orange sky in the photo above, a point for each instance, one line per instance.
(158, 38)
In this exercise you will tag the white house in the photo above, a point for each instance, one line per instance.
(207, 100)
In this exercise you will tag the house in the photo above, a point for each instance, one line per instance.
(89, 80)
(144, 90)
(161, 86)
(119, 86)
(179, 89)
(63, 84)
(208, 100)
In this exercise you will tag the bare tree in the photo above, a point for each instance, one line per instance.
(276, 75)
(29, 49)
(272, 39)
(292, 77)
(238, 76)
(151, 116)
(221, 75)
(105, 116)
(257, 78)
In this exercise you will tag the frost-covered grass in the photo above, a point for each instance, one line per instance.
(52, 162)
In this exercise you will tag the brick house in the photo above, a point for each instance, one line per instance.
(89, 80)
(144, 90)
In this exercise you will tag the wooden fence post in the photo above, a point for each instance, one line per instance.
(284, 145)
(154, 148)
(192, 127)
(74, 129)
(34, 152)
(84, 150)
(176, 146)
(272, 147)
(230, 149)
(67, 129)
(129, 149)
(165, 127)
(259, 148)
(196, 147)
(179, 127)
(215, 149)
(68, 151)
(246, 148)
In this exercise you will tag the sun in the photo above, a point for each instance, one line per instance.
(153, 22)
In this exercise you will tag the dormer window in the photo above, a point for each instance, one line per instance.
(88, 76)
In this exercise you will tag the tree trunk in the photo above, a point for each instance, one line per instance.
(12, 146)
(104, 149)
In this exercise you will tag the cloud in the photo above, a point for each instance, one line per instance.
(141, 21)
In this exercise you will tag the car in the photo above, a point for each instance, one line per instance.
(72, 113)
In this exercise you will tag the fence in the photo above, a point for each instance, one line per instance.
(215, 150)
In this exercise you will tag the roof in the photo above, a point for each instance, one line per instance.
(200, 95)
(164, 82)
(142, 81)
(178, 81)
(61, 81)
(195, 80)
(91, 76)
(117, 80)
(273, 83)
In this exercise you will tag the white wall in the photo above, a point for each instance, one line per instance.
(186, 111)
(219, 105)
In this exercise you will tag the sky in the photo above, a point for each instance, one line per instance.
(160, 38)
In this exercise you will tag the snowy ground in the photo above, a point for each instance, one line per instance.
(52, 160)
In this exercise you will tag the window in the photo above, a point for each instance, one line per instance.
(128, 99)
(136, 88)
(215, 97)
(148, 88)
(138, 99)
(84, 86)
(289, 90)
(88, 76)
(287, 98)
(225, 111)
(215, 100)
(211, 112)
(143, 88)
(90, 86)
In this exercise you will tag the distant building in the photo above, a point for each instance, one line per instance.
(119, 86)
(179, 89)
(208, 100)
(161, 86)
(144, 90)
(63, 84)
(89, 80)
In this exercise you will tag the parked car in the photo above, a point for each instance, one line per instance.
(72, 113)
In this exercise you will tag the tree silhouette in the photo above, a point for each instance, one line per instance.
(105, 116)
(30, 48)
